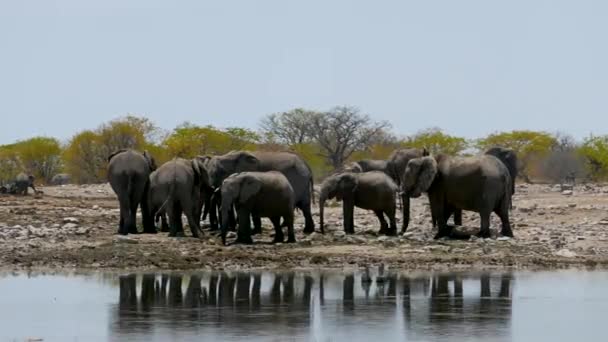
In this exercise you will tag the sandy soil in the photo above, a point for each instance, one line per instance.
(74, 227)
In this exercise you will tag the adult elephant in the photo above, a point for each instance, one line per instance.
(367, 165)
(24, 181)
(294, 168)
(177, 187)
(372, 190)
(263, 194)
(396, 164)
(508, 157)
(128, 174)
(481, 184)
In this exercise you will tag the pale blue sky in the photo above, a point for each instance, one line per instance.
(469, 66)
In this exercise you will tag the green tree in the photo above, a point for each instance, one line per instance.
(436, 141)
(85, 159)
(40, 156)
(530, 146)
(595, 152)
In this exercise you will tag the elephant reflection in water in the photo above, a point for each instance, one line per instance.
(220, 298)
(228, 300)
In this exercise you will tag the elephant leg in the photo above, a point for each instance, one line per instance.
(147, 215)
(232, 220)
(125, 218)
(243, 234)
(504, 219)
(132, 217)
(309, 224)
(291, 234)
(278, 230)
(175, 221)
(484, 232)
(383, 224)
(405, 200)
(194, 224)
(213, 213)
(164, 224)
(348, 209)
(457, 217)
(442, 226)
(392, 230)
(121, 225)
(257, 224)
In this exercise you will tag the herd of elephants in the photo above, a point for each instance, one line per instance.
(273, 184)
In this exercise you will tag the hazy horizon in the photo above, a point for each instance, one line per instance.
(468, 67)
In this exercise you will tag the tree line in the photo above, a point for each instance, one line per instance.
(325, 139)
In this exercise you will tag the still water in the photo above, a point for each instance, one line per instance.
(310, 306)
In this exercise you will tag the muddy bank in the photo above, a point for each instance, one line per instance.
(74, 227)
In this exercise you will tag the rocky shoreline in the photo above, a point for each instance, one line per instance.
(74, 227)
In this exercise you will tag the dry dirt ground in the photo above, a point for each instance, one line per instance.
(74, 227)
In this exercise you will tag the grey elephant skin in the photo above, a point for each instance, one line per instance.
(294, 168)
(61, 179)
(128, 174)
(263, 194)
(508, 157)
(481, 184)
(372, 190)
(177, 187)
(396, 164)
(367, 165)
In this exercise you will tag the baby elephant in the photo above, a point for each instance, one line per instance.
(373, 190)
(263, 194)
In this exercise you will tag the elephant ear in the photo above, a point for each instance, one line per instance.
(151, 161)
(249, 187)
(200, 172)
(427, 174)
(348, 183)
(247, 162)
(115, 153)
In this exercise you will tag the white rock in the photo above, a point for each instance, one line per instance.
(69, 226)
(503, 238)
(567, 192)
(82, 231)
(566, 253)
(231, 235)
(96, 207)
(70, 220)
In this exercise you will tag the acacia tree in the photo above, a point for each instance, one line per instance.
(436, 141)
(344, 130)
(289, 128)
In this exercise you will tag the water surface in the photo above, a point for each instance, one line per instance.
(310, 306)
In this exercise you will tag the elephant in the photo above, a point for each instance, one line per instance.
(372, 190)
(396, 164)
(264, 194)
(61, 179)
(508, 157)
(481, 184)
(21, 184)
(177, 187)
(366, 165)
(128, 174)
(296, 170)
